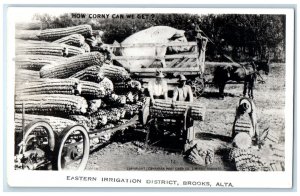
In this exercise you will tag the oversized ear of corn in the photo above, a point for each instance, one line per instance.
(54, 34)
(73, 40)
(91, 73)
(27, 34)
(164, 109)
(36, 62)
(82, 120)
(112, 72)
(52, 104)
(242, 125)
(248, 160)
(69, 86)
(58, 124)
(74, 64)
(35, 25)
(47, 48)
(92, 90)
(274, 155)
(115, 73)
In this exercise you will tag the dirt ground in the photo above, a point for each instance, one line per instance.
(127, 151)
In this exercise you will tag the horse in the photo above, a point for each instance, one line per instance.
(247, 73)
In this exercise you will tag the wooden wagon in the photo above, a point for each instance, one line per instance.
(44, 148)
(191, 64)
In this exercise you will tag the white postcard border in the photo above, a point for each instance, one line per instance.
(238, 179)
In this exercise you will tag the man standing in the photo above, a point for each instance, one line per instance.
(158, 88)
(201, 44)
(183, 92)
(245, 111)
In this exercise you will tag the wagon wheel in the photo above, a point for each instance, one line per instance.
(73, 150)
(198, 86)
(37, 147)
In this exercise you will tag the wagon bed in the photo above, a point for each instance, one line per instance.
(185, 63)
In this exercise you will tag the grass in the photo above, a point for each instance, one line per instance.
(269, 99)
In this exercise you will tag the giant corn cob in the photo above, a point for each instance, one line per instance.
(92, 90)
(115, 73)
(54, 34)
(46, 48)
(274, 155)
(91, 73)
(58, 124)
(69, 86)
(55, 104)
(247, 160)
(164, 109)
(112, 72)
(243, 124)
(36, 62)
(73, 40)
(27, 34)
(73, 65)
(35, 25)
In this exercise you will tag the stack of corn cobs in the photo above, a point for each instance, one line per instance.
(60, 81)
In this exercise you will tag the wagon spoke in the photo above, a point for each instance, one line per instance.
(36, 147)
(74, 149)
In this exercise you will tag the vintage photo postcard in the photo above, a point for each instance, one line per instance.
(160, 97)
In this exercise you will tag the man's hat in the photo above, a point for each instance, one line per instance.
(159, 74)
(182, 78)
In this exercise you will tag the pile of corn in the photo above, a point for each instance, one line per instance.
(60, 81)
(167, 108)
(268, 156)
(201, 154)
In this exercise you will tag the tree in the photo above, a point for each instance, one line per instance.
(246, 35)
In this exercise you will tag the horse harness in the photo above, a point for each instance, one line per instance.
(247, 72)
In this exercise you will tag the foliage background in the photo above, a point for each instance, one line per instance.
(244, 36)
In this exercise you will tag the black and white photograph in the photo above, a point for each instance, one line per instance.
(157, 92)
